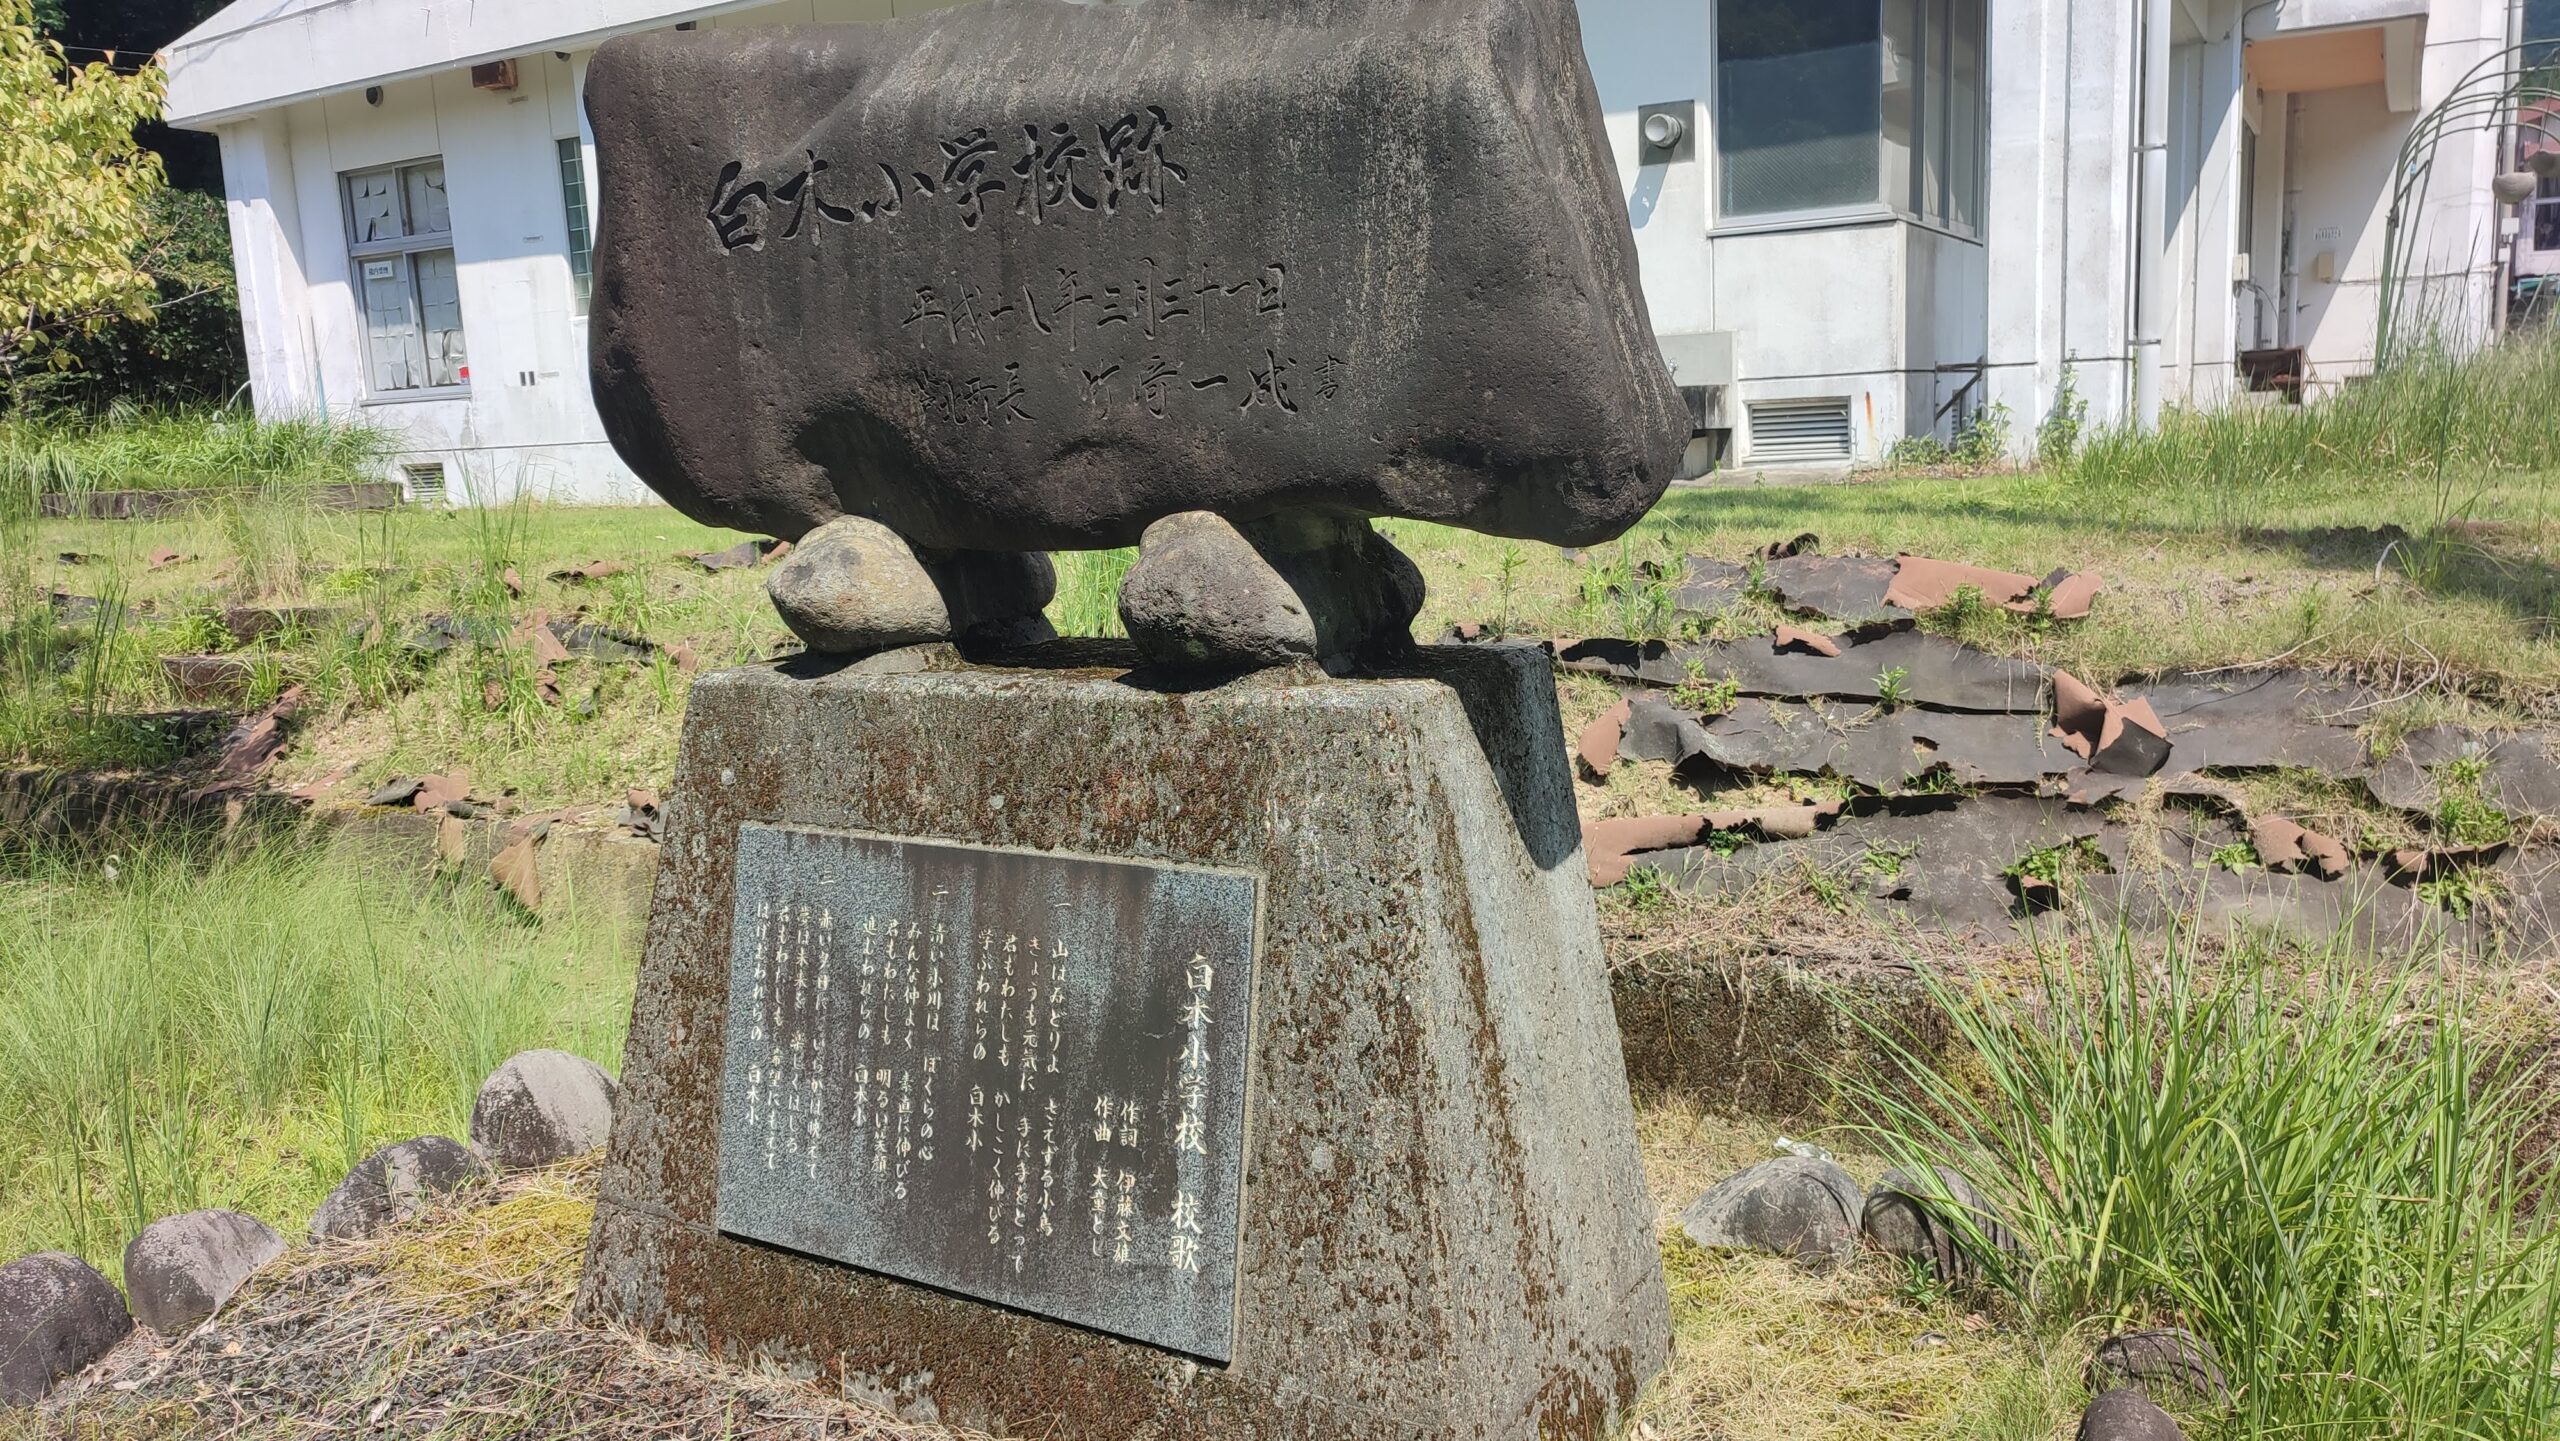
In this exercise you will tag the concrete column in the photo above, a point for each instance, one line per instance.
(2022, 209)
(2211, 338)
(266, 249)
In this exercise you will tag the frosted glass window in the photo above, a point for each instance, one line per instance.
(1826, 105)
(408, 290)
(440, 313)
(424, 187)
(1964, 115)
(1798, 105)
(573, 200)
(1901, 112)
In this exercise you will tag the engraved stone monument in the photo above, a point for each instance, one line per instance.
(1198, 1036)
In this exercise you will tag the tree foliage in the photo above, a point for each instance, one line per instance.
(75, 196)
(190, 350)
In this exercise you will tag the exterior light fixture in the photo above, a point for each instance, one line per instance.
(2514, 187)
(1662, 130)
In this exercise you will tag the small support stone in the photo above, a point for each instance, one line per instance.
(854, 586)
(182, 1268)
(1211, 593)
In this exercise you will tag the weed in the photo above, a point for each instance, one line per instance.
(1984, 438)
(1646, 891)
(2236, 857)
(2463, 816)
(2059, 864)
(1893, 687)
(1703, 696)
(2461, 889)
(1885, 862)
(1827, 888)
(2058, 436)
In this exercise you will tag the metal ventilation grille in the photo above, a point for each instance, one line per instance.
(1794, 432)
(426, 483)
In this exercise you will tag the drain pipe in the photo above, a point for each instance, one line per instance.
(2150, 277)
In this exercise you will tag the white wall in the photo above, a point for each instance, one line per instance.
(527, 424)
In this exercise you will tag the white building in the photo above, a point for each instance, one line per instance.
(1857, 219)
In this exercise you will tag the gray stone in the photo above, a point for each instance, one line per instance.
(1208, 592)
(57, 1315)
(1801, 1206)
(1444, 1231)
(2162, 1361)
(182, 1268)
(1915, 1220)
(395, 1184)
(2127, 1415)
(851, 586)
(1033, 275)
(542, 1106)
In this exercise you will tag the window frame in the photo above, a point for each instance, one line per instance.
(407, 247)
(1905, 208)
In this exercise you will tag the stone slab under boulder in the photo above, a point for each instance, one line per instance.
(1444, 1230)
(1806, 1207)
(395, 1184)
(57, 1315)
(182, 1268)
(542, 1106)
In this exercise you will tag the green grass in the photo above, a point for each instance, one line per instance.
(130, 448)
(237, 1030)
(2315, 1166)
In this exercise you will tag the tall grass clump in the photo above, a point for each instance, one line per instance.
(239, 1028)
(2431, 415)
(2312, 1165)
(134, 448)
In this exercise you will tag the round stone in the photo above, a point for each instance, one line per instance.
(2127, 1415)
(394, 1184)
(852, 586)
(1207, 592)
(1801, 1206)
(542, 1106)
(182, 1268)
(57, 1315)
(2163, 1361)
(1909, 1218)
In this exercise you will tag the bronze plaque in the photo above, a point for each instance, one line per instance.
(1015, 1076)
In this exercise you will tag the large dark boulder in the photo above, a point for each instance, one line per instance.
(1031, 275)
(57, 1314)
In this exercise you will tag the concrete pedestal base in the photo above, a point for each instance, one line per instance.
(1444, 1232)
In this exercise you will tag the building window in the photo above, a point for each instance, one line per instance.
(573, 197)
(400, 242)
(2546, 213)
(1796, 105)
(1837, 104)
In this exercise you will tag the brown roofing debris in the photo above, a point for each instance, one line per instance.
(1598, 745)
(2029, 754)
